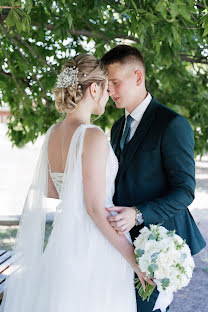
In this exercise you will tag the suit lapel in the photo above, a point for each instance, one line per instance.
(141, 131)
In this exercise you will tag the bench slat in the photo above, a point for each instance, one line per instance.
(3, 276)
(5, 265)
(5, 261)
(1, 290)
(5, 256)
(2, 252)
(5, 269)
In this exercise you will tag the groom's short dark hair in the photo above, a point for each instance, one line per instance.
(123, 54)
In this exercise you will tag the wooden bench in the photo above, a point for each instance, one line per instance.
(5, 261)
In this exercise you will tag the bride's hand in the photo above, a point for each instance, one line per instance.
(142, 277)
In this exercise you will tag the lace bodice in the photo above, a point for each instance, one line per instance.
(111, 172)
(57, 178)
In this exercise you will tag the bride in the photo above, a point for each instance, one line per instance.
(86, 265)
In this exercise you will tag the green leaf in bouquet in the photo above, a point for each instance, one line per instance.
(152, 236)
(178, 245)
(152, 267)
(180, 268)
(139, 252)
(154, 256)
(183, 257)
(171, 233)
(165, 282)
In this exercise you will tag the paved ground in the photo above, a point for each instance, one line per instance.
(16, 170)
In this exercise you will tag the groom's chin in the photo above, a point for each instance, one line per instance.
(119, 105)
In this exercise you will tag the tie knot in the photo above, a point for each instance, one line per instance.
(129, 120)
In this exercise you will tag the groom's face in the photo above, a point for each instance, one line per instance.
(123, 86)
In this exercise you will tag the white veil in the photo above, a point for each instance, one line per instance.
(30, 237)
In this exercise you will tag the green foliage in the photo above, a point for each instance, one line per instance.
(37, 36)
(165, 282)
(171, 233)
(139, 252)
(155, 233)
(178, 245)
(180, 268)
(154, 257)
(152, 267)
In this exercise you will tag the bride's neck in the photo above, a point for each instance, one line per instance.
(79, 116)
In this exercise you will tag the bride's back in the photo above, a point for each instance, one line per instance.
(58, 147)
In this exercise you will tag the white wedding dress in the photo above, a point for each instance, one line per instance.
(79, 270)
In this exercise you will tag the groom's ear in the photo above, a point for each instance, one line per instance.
(139, 77)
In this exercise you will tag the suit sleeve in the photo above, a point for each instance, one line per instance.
(177, 150)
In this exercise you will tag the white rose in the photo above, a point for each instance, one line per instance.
(144, 262)
(144, 230)
(166, 259)
(178, 239)
(141, 240)
(163, 231)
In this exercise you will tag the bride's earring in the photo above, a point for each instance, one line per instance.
(95, 98)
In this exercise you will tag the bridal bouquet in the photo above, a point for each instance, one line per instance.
(166, 258)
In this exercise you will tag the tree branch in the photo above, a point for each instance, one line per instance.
(193, 59)
(200, 4)
(7, 75)
(10, 7)
(88, 33)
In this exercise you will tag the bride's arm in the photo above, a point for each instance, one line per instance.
(94, 159)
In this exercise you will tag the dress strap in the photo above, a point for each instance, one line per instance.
(51, 130)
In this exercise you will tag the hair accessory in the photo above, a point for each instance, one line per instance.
(84, 75)
(68, 78)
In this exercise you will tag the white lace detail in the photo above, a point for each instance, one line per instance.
(57, 178)
(111, 171)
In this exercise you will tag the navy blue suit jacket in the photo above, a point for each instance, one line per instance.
(157, 172)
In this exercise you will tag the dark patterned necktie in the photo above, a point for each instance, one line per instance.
(126, 133)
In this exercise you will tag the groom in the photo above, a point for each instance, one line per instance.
(155, 147)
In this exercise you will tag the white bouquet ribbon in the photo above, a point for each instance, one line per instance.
(163, 301)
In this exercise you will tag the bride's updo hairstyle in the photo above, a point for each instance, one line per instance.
(77, 74)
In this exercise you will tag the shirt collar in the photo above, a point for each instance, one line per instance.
(140, 109)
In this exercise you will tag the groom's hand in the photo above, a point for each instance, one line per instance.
(124, 221)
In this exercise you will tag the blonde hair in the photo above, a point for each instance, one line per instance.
(89, 70)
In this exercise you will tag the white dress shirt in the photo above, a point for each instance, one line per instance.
(137, 114)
